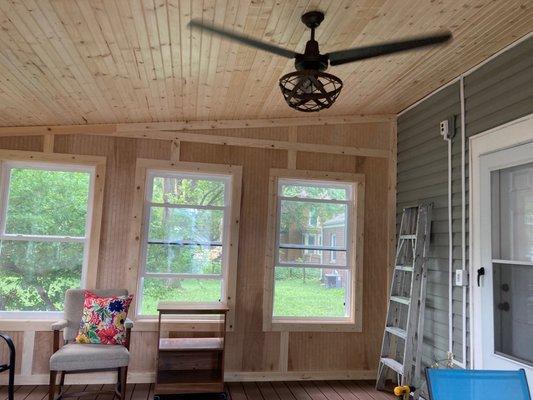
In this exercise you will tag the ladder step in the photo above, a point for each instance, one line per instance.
(406, 268)
(401, 333)
(393, 364)
(408, 237)
(401, 299)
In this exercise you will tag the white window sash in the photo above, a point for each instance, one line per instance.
(42, 238)
(146, 241)
(186, 206)
(311, 265)
(349, 212)
(5, 181)
(312, 200)
(291, 246)
(184, 243)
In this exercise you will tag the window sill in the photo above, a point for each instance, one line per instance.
(313, 326)
(27, 324)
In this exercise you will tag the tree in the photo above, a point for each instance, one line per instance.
(34, 274)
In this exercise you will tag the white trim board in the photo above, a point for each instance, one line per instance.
(511, 134)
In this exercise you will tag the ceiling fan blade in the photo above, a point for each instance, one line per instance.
(259, 44)
(381, 49)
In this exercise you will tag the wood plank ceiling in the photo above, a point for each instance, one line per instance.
(110, 61)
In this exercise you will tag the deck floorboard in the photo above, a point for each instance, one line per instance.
(303, 390)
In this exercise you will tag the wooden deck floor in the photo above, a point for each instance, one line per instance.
(307, 390)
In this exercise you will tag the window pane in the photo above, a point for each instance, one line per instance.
(315, 191)
(35, 275)
(47, 202)
(155, 290)
(512, 202)
(513, 311)
(299, 256)
(302, 222)
(300, 292)
(179, 224)
(184, 259)
(184, 190)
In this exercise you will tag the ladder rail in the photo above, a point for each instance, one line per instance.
(413, 314)
(422, 310)
(386, 349)
(408, 280)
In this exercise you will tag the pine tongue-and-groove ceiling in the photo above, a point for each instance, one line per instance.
(111, 61)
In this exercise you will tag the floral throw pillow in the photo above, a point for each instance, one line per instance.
(103, 318)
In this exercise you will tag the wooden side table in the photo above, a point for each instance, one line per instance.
(190, 365)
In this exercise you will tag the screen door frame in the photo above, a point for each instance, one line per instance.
(513, 135)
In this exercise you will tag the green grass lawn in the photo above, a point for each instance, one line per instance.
(292, 296)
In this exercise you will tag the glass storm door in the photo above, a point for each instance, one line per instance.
(506, 287)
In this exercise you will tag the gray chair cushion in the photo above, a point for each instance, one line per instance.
(74, 307)
(79, 357)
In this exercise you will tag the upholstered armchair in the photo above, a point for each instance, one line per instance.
(75, 357)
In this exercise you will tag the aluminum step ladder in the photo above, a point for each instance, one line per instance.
(402, 340)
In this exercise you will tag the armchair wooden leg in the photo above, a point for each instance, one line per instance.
(61, 383)
(52, 387)
(123, 378)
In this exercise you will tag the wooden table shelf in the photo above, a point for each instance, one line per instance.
(186, 344)
(190, 364)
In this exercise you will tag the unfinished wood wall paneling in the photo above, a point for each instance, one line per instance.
(29, 143)
(252, 353)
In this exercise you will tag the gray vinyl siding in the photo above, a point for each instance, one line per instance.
(496, 93)
(423, 176)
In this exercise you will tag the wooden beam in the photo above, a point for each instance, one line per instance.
(48, 143)
(175, 151)
(291, 155)
(217, 139)
(391, 203)
(27, 353)
(181, 126)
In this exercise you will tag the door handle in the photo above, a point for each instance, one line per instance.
(480, 273)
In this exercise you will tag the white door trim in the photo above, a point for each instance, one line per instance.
(509, 135)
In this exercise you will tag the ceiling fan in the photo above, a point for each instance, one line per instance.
(309, 88)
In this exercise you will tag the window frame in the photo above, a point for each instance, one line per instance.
(354, 253)
(95, 166)
(146, 170)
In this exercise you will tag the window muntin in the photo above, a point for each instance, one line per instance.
(184, 255)
(333, 243)
(305, 285)
(44, 234)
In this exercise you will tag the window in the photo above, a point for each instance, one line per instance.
(333, 243)
(45, 233)
(187, 251)
(301, 285)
